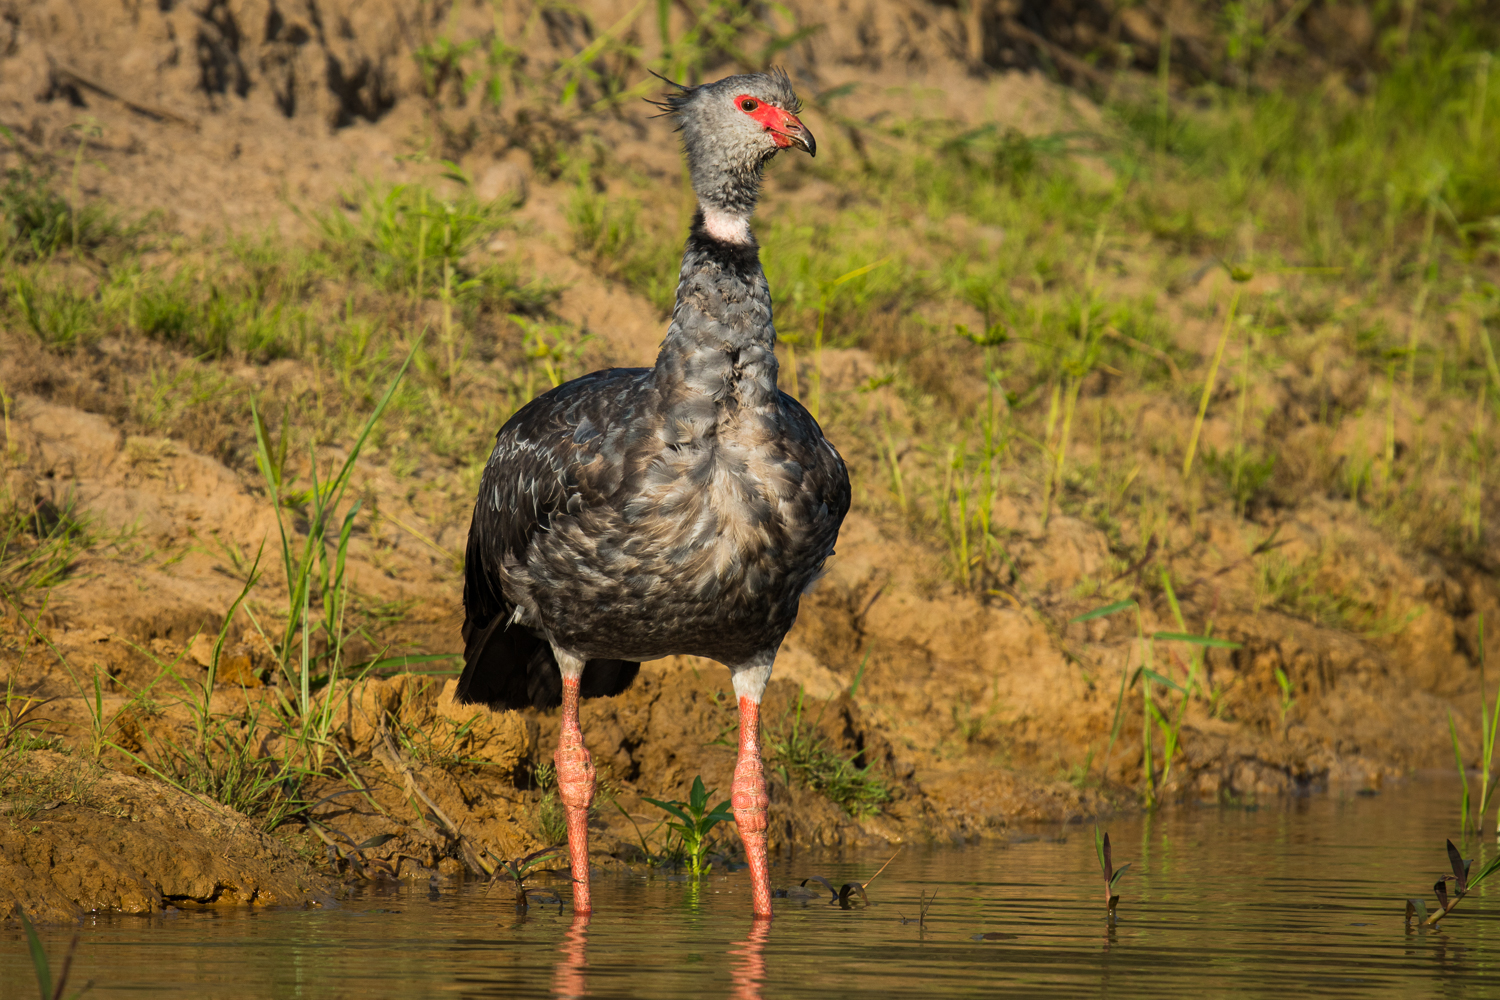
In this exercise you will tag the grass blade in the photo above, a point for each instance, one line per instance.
(1108, 609)
(1164, 681)
(1196, 640)
(1462, 774)
(38, 957)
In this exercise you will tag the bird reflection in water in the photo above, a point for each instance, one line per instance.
(750, 962)
(568, 980)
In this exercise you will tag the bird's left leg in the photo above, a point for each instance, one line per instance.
(575, 779)
(748, 793)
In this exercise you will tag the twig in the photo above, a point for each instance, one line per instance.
(59, 69)
(882, 868)
(1146, 348)
(451, 556)
(393, 759)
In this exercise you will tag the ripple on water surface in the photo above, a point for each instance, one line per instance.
(1297, 898)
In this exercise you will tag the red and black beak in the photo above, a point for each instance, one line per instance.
(786, 128)
(799, 134)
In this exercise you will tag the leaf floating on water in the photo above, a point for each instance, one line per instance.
(847, 889)
(833, 893)
(993, 936)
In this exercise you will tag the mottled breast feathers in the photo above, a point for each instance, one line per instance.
(602, 528)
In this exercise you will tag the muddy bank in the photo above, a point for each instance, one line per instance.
(971, 717)
(78, 838)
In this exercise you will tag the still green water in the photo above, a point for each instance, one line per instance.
(1300, 897)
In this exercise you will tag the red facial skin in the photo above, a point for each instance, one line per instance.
(775, 120)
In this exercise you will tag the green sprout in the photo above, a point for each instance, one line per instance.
(520, 869)
(695, 821)
(1111, 873)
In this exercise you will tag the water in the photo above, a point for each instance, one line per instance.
(1297, 898)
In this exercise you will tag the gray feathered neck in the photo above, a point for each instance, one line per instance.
(718, 360)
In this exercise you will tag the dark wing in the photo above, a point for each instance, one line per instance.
(541, 464)
(825, 479)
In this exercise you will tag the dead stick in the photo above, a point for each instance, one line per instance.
(99, 88)
(449, 827)
(883, 867)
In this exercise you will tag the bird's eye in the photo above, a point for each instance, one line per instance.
(749, 105)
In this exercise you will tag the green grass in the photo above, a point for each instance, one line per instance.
(36, 222)
(993, 334)
(551, 817)
(226, 761)
(40, 544)
(803, 756)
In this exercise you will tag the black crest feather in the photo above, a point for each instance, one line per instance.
(672, 103)
(775, 87)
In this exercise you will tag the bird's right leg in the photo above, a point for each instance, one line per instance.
(575, 779)
(748, 793)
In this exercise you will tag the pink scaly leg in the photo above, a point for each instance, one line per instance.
(575, 786)
(749, 798)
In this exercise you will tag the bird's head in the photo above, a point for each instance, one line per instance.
(730, 129)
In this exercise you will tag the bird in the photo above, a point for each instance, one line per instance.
(682, 509)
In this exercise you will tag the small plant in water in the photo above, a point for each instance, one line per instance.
(695, 822)
(1416, 909)
(1111, 873)
(523, 868)
(1489, 722)
(924, 903)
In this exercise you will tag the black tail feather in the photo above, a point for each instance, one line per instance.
(506, 666)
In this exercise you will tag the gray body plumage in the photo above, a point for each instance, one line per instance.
(636, 513)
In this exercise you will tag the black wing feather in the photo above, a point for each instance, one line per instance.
(529, 479)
